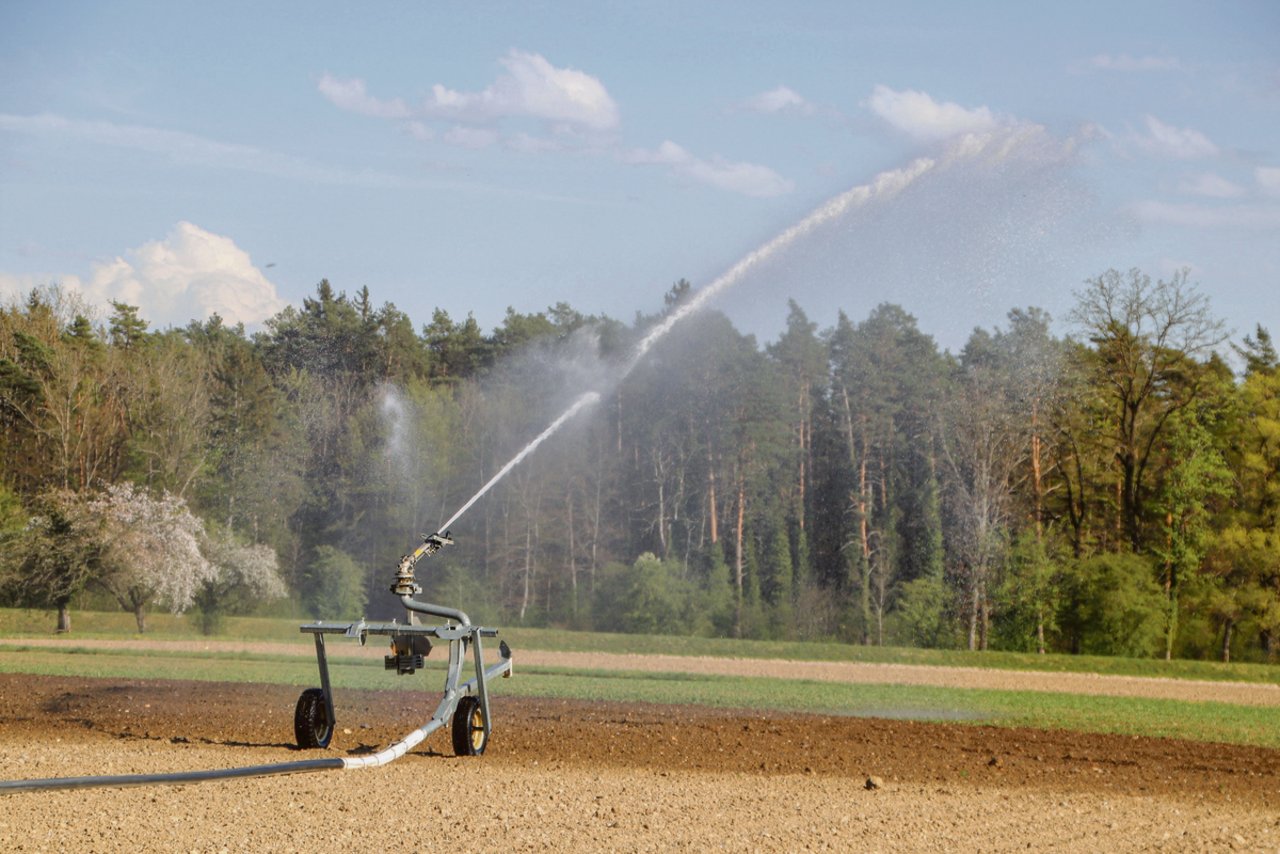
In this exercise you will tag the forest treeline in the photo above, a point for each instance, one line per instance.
(1112, 491)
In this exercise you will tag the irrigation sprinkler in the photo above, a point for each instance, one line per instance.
(464, 708)
(465, 705)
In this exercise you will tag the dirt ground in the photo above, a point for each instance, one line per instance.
(571, 775)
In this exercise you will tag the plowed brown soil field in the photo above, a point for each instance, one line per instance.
(569, 775)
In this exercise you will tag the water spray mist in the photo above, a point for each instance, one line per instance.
(585, 400)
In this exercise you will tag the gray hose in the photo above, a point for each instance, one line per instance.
(175, 778)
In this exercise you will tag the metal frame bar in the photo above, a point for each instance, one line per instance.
(459, 638)
(323, 662)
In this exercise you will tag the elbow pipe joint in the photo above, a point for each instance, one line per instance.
(429, 609)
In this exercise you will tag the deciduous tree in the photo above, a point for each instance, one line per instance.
(150, 550)
(1147, 336)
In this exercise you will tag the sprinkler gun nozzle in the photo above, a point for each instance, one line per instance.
(439, 539)
(405, 585)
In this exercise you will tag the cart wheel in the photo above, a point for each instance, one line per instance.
(469, 737)
(311, 722)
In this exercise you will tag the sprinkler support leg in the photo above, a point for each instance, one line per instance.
(481, 685)
(323, 663)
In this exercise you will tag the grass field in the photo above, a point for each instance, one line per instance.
(1205, 721)
(88, 626)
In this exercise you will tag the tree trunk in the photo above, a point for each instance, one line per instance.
(1120, 525)
(661, 465)
(619, 434)
(711, 499)
(528, 566)
(739, 565)
(973, 620)
(595, 528)
(64, 615)
(1226, 639)
(885, 555)
(140, 615)
(986, 619)
(864, 600)
(1129, 504)
(573, 564)
(880, 599)
(864, 532)
(1171, 594)
(804, 452)
(1040, 633)
(1037, 480)
(1075, 502)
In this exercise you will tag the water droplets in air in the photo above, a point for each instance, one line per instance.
(980, 194)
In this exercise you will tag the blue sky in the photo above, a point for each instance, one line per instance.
(193, 157)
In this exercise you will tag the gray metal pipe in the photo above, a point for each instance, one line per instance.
(435, 610)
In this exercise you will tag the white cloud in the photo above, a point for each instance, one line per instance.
(352, 95)
(1268, 178)
(569, 102)
(782, 99)
(749, 179)
(1179, 143)
(190, 274)
(920, 117)
(531, 87)
(1212, 185)
(1125, 62)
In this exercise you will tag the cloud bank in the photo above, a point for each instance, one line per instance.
(570, 109)
(782, 99)
(530, 87)
(353, 96)
(920, 117)
(748, 179)
(190, 274)
(1164, 140)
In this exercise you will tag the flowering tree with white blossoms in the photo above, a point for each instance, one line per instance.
(242, 574)
(151, 550)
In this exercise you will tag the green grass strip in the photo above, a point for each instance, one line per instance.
(16, 624)
(1203, 721)
(547, 639)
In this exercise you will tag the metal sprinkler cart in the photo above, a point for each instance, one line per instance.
(465, 705)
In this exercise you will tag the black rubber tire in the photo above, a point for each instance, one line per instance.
(311, 724)
(469, 736)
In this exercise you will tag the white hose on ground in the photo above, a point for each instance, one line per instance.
(395, 751)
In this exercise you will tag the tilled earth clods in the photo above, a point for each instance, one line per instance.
(564, 774)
